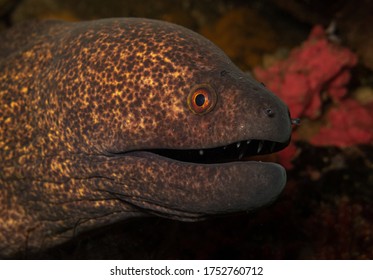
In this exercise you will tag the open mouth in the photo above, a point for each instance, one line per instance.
(239, 151)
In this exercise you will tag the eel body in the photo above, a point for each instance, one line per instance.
(114, 118)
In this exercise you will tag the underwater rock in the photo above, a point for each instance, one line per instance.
(243, 34)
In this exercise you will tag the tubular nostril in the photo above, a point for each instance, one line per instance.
(269, 112)
(295, 121)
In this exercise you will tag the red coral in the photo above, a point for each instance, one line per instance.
(317, 70)
(286, 156)
(317, 66)
(349, 123)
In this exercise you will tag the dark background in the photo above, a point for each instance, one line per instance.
(326, 209)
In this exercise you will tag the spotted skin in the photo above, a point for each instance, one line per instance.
(79, 103)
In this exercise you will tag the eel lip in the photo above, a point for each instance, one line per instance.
(197, 183)
(191, 192)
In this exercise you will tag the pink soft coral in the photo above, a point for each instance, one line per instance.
(317, 66)
(318, 70)
(349, 123)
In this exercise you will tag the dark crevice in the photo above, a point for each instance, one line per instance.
(234, 152)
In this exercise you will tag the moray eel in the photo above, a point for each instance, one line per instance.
(115, 118)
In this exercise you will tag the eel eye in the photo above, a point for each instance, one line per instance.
(202, 99)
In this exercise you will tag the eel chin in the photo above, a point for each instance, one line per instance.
(192, 184)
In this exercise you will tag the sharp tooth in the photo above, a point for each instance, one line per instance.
(248, 142)
(260, 146)
(240, 156)
(201, 152)
(242, 151)
(238, 144)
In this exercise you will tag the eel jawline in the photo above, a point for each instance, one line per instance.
(196, 184)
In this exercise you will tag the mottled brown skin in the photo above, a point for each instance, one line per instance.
(77, 98)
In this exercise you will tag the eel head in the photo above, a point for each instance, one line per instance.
(119, 117)
(173, 119)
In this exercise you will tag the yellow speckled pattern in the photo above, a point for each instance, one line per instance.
(76, 96)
